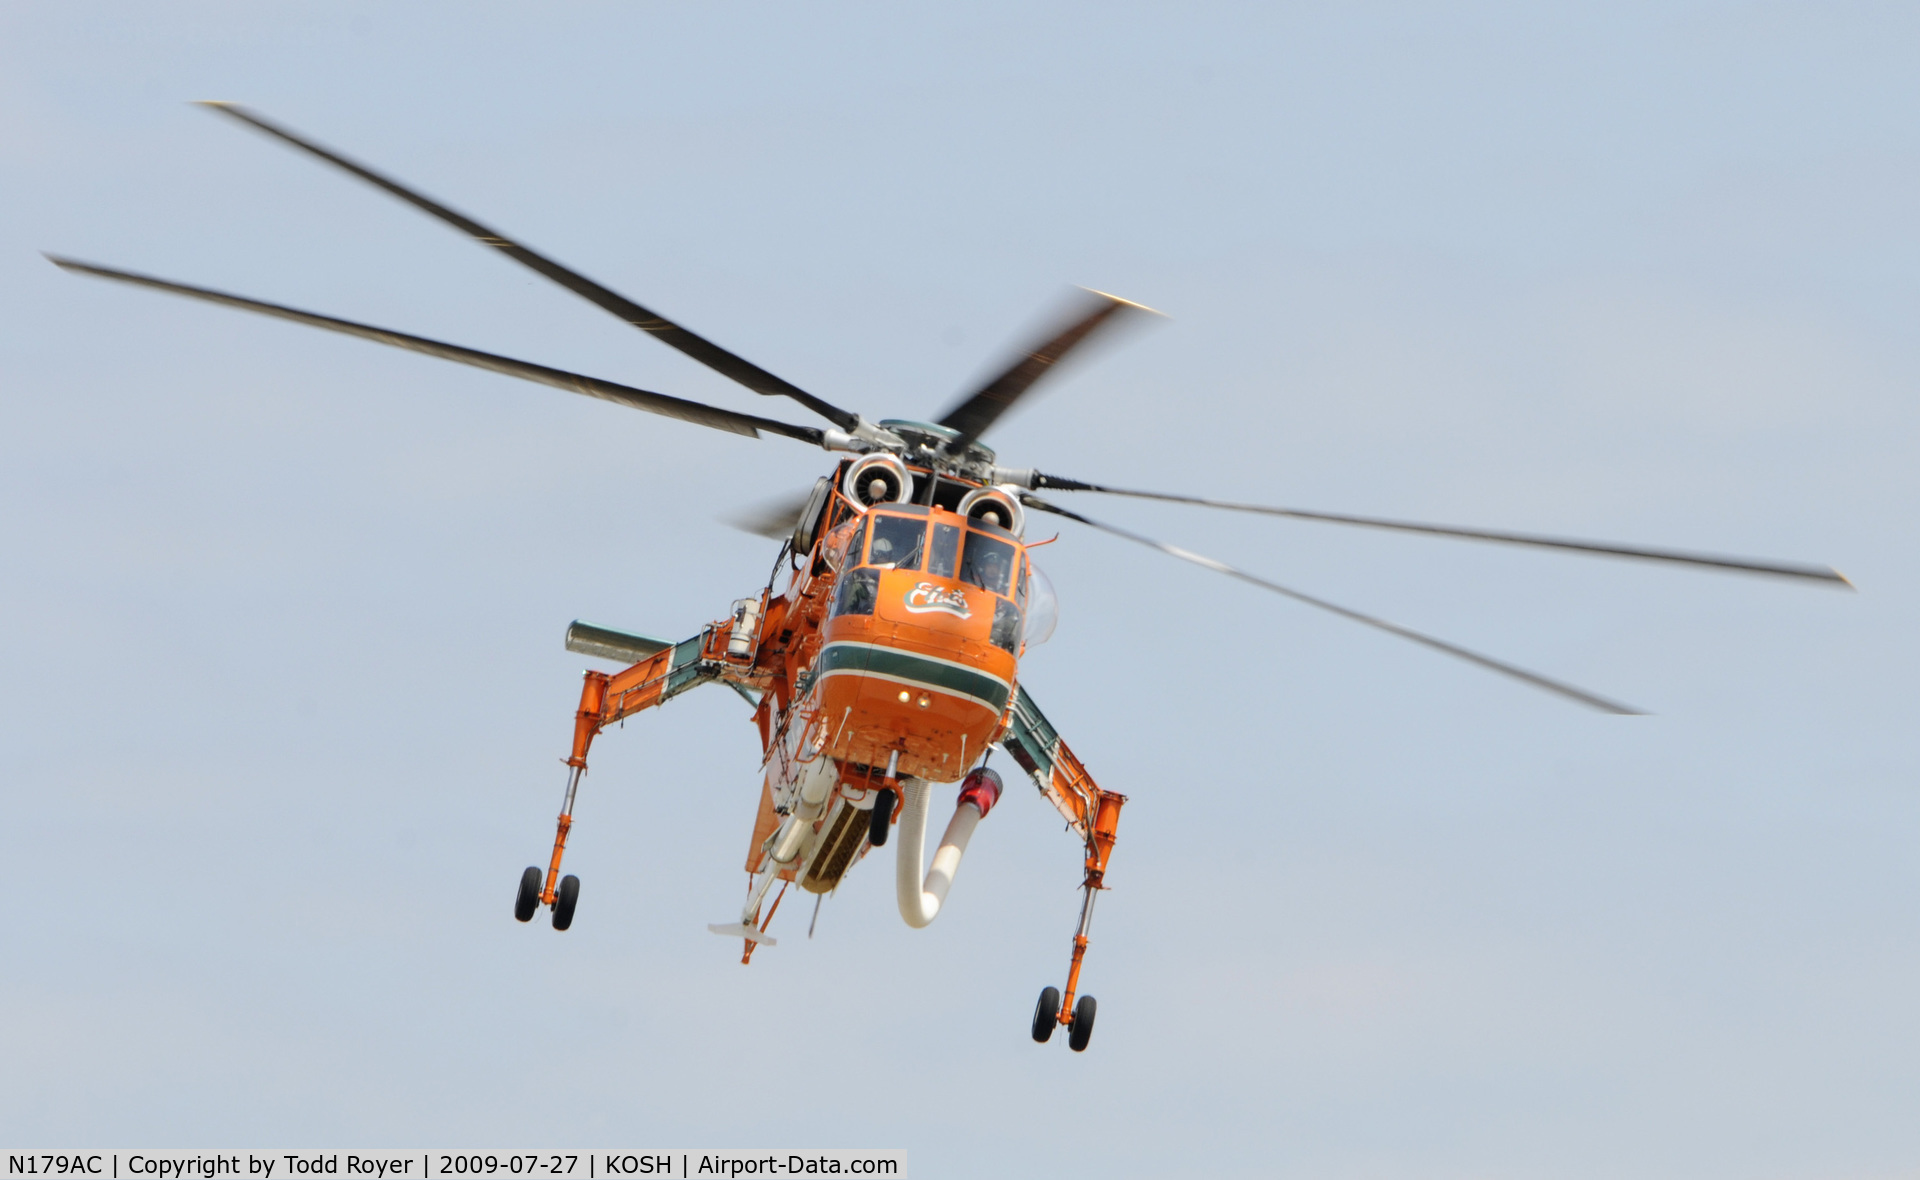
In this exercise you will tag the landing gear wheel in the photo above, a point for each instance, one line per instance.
(568, 896)
(880, 819)
(1046, 1014)
(1081, 1030)
(528, 899)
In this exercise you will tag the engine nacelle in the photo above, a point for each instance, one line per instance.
(877, 479)
(996, 506)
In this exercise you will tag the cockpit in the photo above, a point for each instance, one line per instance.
(910, 537)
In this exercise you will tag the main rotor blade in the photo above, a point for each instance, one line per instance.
(665, 330)
(1560, 688)
(974, 415)
(1747, 565)
(639, 399)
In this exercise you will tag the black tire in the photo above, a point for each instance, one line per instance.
(1046, 1014)
(528, 899)
(1081, 1030)
(880, 820)
(564, 899)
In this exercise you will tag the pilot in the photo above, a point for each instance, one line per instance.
(993, 570)
(857, 593)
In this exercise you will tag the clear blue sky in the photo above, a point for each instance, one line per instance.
(282, 692)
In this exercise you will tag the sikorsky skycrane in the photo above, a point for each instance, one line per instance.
(888, 662)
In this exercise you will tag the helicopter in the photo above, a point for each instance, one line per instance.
(888, 661)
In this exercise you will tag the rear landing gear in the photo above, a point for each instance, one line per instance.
(528, 899)
(1081, 1030)
(1055, 1009)
(533, 883)
(568, 896)
(1046, 1014)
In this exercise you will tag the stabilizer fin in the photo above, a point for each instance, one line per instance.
(742, 930)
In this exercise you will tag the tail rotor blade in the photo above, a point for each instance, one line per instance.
(1744, 565)
(1557, 687)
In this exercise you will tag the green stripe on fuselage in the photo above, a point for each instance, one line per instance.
(885, 661)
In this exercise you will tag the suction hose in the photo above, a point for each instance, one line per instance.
(920, 901)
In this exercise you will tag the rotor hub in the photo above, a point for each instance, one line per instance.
(928, 443)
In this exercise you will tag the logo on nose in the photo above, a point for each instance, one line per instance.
(926, 598)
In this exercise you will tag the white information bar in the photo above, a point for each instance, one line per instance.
(678, 1163)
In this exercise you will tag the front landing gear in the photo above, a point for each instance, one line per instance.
(880, 819)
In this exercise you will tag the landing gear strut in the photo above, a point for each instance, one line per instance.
(604, 700)
(1054, 1008)
(561, 894)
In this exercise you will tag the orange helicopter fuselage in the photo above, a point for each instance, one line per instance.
(916, 640)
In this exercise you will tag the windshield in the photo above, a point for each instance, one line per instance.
(945, 557)
(987, 563)
(897, 542)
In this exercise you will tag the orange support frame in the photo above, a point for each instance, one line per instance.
(604, 700)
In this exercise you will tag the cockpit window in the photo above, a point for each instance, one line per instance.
(1006, 626)
(897, 542)
(945, 557)
(857, 542)
(856, 594)
(987, 563)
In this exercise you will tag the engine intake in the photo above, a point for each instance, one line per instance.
(877, 479)
(996, 506)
